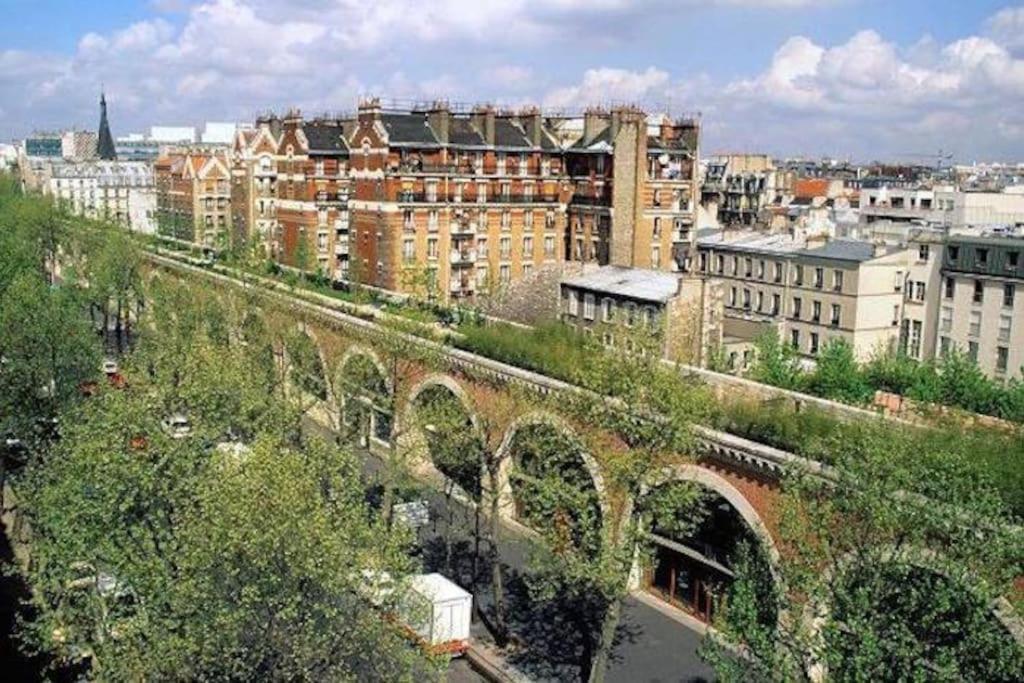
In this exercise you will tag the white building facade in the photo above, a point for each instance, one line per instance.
(122, 192)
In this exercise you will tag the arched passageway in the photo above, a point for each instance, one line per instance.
(555, 487)
(364, 398)
(708, 552)
(454, 446)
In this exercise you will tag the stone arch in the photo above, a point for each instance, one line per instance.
(704, 601)
(369, 420)
(304, 330)
(590, 466)
(418, 442)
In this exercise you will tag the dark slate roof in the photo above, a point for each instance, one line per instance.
(655, 143)
(842, 250)
(408, 129)
(604, 136)
(508, 134)
(325, 138)
(462, 132)
(801, 201)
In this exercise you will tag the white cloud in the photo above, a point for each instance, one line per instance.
(608, 85)
(1007, 27)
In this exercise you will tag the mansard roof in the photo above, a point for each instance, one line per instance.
(326, 137)
(507, 133)
(408, 129)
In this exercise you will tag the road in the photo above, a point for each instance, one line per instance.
(650, 646)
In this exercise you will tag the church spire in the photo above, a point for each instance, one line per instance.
(105, 141)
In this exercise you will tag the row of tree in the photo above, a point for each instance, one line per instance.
(953, 380)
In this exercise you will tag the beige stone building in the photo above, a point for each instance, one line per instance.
(810, 292)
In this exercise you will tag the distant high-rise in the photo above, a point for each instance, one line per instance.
(105, 142)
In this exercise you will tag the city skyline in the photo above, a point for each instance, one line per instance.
(787, 77)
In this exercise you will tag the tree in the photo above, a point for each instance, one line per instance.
(776, 363)
(838, 376)
(48, 353)
(892, 568)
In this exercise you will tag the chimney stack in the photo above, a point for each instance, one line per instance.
(483, 119)
(439, 118)
(594, 121)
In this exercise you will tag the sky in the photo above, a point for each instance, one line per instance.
(860, 79)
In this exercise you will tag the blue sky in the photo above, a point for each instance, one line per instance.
(859, 78)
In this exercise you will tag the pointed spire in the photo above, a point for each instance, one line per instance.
(105, 141)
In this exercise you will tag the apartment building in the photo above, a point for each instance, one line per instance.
(193, 195)
(634, 190)
(739, 188)
(809, 291)
(898, 202)
(639, 310)
(449, 203)
(118, 191)
(981, 303)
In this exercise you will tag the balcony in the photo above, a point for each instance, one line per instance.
(462, 286)
(421, 198)
(591, 201)
(462, 257)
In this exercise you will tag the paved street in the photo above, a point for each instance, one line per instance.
(650, 645)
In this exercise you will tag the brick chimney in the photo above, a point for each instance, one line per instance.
(531, 122)
(483, 119)
(594, 121)
(369, 110)
(439, 117)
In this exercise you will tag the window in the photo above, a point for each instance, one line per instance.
(574, 303)
(506, 219)
(972, 351)
(950, 282)
(606, 310)
(946, 319)
(919, 291)
(816, 311)
(505, 273)
(656, 256)
(549, 246)
(794, 339)
(732, 296)
(776, 304)
(505, 246)
(760, 270)
(1011, 260)
(975, 327)
(481, 246)
(798, 276)
(954, 253)
(528, 220)
(1008, 292)
(528, 247)
(588, 306)
(735, 265)
(922, 252)
(657, 228)
(836, 314)
(814, 342)
(982, 257)
(915, 339)
(819, 278)
(896, 314)
(720, 263)
(979, 291)
(746, 299)
(760, 301)
(778, 272)
(944, 346)
(897, 285)
(837, 280)
(1002, 358)
(748, 267)
(797, 305)
(432, 248)
(481, 276)
(408, 251)
(630, 314)
(703, 262)
(1005, 325)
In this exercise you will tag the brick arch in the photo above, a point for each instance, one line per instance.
(353, 351)
(307, 330)
(414, 440)
(559, 424)
(356, 349)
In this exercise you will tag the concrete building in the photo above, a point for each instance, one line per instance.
(78, 145)
(639, 310)
(981, 302)
(121, 192)
(809, 291)
(739, 188)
